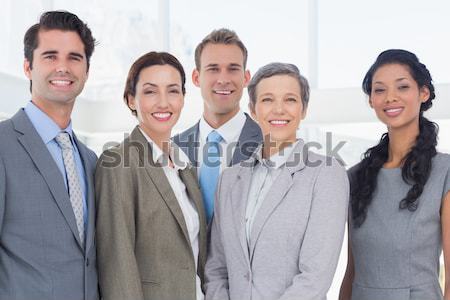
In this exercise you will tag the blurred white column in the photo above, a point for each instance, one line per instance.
(313, 43)
(164, 24)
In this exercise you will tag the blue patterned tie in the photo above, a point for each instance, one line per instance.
(209, 172)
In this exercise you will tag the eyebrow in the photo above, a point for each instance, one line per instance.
(51, 52)
(155, 85)
(398, 79)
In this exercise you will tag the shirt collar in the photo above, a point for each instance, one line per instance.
(278, 159)
(229, 131)
(44, 125)
(179, 158)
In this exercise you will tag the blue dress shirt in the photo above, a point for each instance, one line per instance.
(48, 130)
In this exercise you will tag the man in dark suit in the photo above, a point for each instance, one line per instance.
(47, 248)
(224, 135)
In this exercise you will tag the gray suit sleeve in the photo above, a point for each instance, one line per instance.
(216, 272)
(119, 276)
(2, 192)
(322, 242)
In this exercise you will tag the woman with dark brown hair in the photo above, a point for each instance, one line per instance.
(151, 232)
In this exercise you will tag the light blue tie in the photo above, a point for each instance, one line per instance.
(209, 171)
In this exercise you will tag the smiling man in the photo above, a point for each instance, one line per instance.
(224, 135)
(47, 248)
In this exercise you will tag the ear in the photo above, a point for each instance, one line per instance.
(370, 102)
(303, 114)
(131, 102)
(251, 109)
(196, 77)
(27, 68)
(424, 94)
(247, 78)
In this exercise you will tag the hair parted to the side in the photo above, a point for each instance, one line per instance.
(273, 69)
(417, 163)
(61, 20)
(147, 60)
(220, 36)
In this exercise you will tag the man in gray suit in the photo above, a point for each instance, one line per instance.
(47, 248)
(224, 135)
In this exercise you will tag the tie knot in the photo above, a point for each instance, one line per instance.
(63, 140)
(214, 137)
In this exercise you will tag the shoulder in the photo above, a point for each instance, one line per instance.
(186, 135)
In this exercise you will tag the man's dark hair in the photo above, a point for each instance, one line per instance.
(61, 20)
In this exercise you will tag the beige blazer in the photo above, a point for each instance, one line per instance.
(143, 245)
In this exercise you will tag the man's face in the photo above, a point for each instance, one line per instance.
(59, 68)
(221, 78)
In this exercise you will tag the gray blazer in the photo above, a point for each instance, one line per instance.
(40, 252)
(248, 141)
(143, 243)
(296, 236)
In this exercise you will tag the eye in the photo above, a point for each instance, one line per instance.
(149, 92)
(75, 58)
(235, 68)
(212, 69)
(378, 90)
(291, 99)
(266, 99)
(50, 57)
(174, 91)
(403, 87)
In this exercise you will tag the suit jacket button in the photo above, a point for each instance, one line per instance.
(87, 262)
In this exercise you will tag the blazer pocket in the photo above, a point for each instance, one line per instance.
(150, 282)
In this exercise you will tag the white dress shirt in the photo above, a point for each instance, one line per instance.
(187, 207)
(264, 175)
(230, 132)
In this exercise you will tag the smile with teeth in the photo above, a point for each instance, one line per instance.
(162, 116)
(278, 122)
(60, 82)
(392, 112)
(223, 92)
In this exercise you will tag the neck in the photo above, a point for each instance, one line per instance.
(400, 143)
(271, 147)
(59, 113)
(216, 120)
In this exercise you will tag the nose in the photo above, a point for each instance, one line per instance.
(61, 67)
(163, 101)
(391, 96)
(223, 78)
(278, 107)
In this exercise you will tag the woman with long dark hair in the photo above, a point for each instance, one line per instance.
(400, 200)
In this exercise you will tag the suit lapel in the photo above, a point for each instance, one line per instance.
(248, 141)
(157, 175)
(280, 187)
(239, 196)
(190, 181)
(188, 141)
(44, 162)
(90, 200)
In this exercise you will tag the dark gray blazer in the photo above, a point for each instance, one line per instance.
(40, 252)
(248, 141)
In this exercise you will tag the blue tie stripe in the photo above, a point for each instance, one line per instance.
(209, 171)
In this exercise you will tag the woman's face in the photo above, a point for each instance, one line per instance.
(158, 100)
(278, 108)
(396, 97)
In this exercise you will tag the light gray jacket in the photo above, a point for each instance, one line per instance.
(296, 236)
